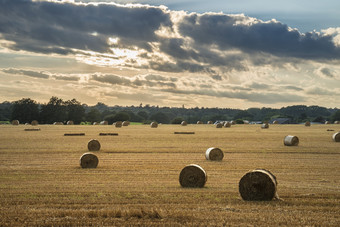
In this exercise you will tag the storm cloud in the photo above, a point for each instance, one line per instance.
(29, 73)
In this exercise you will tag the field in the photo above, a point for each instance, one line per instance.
(136, 181)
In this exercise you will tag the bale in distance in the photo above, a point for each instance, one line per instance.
(265, 126)
(184, 123)
(118, 124)
(219, 125)
(209, 122)
(336, 122)
(70, 122)
(327, 123)
(154, 124)
(93, 145)
(95, 123)
(214, 154)
(276, 122)
(88, 160)
(227, 124)
(126, 123)
(199, 122)
(34, 122)
(258, 185)
(58, 123)
(336, 137)
(192, 176)
(233, 122)
(104, 123)
(291, 140)
(307, 123)
(15, 122)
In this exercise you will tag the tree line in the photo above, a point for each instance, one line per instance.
(58, 110)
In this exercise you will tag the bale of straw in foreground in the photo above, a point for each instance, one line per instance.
(88, 160)
(126, 123)
(193, 176)
(184, 123)
(291, 140)
(258, 185)
(15, 122)
(93, 145)
(70, 122)
(118, 124)
(219, 125)
(227, 124)
(336, 137)
(154, 124)
(34, 122)
(214, 154)
(265, 126)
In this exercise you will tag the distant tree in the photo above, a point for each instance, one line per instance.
(93, 115)
(336, 116)
(319, 119)
(54, 111)
(143, 114)
(177, 120)
(160, 117)
(110, 118)
(121, 116)
(239, 121)
(75, 111)
(5, 111)
(25, 110)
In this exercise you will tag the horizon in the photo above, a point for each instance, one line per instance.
(224, 54)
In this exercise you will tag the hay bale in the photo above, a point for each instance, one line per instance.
(70, 123)
(88, 160)
(214, 154)
(15, 122)
(327, 123)
(95, 123)
(265, 126)
(184, 123)
(336, 122)
(227, 124)
(118, 124)
(336, 137)
(193, 176)
(108, 134)
(291, 140)
(209, 122)
(58, 123)
(233, 122)
(275, 122)
(199, 122)
(307, 123)
(126, 123)
(154, 124)
(32, 129)
(184, 132)
(219, 125)
(104, 123)
(34, 122)
(74, 134)
(258, 185)
(93, 145)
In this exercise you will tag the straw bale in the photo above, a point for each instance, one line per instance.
(184, 123)
(233, 122)
(291, 140)
(70, 122)
(209, 122)
(95, 123)
(126, 123)
(93, 145)
(184, 132)
(219, 125)
(15, 122)
(193, 176)
(336, 122)
(88, 160)
(276, 122)
(118, 124)
(214, 154)
(32, 129)
(74, 134)
(265, 126)
(307, 123)
(336, 137)
(227, 124)
(199, 122)
(108, 134)
(104, 123)
(327, 123)
(258, 185)
(154, 124)
(58, 123)
(34, 122)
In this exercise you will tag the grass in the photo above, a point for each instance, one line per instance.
(136, 181)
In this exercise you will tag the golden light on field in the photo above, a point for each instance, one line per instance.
(137, 177)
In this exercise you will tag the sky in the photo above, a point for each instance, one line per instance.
(226, 54)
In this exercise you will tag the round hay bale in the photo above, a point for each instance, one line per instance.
(88, 160)
(93, 145)
(209, 122)
(184, 123)
(104, 123)
(126, 123)
(265, 126)
(258, 185)
(199, 122)
(336, 122)
(214, 154)
(275, 122)
(15, 122)
(95, 123)
(34, 122)
(193, 176)
(118, 124)
(154, 124)
(336, 137)
(219, 125)
(58, 123)
(27, 123)
(327, 122)
(227, 124)
(291, 140)
(307, 123)
(233, 122)
(70, 123)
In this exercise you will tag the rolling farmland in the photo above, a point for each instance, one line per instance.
(136, 181)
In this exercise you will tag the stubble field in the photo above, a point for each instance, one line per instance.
(136, 181)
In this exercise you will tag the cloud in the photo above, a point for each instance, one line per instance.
(321, 91)
(66, 78)
(34, 74)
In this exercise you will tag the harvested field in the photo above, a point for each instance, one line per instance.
(136, 182)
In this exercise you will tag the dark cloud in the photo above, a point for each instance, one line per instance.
(327, 72)
(29, 73)
(67, 78)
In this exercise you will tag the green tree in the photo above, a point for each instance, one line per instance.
(336, 116)
(93, 115)
(25, 110)
(75, 111)
(143, 114)
(177, 120)
(121, 116)
(54, 111)
(160, 117)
